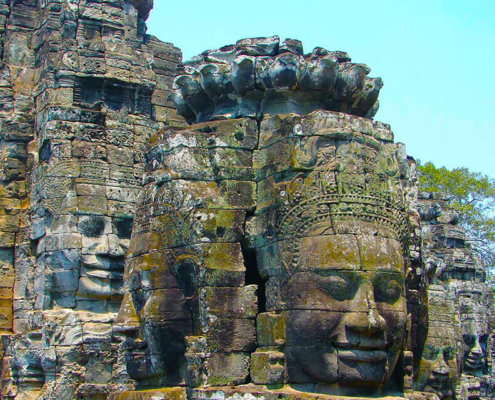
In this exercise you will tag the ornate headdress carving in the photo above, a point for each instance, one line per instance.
(340, 190)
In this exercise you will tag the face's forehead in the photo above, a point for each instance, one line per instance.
(350, 252)
(339, 252)
(379, 253)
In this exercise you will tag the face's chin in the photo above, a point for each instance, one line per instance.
(441, 389)
(138, 361)
(316, 363)
(475, 363)
(369, 367)
(158, 359)
(142, 369)
(140, 365)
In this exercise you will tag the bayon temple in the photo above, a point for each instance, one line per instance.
(234, 226)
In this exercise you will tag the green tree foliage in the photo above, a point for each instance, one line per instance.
(473, 195)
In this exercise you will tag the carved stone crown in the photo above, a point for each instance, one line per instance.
(263, 76)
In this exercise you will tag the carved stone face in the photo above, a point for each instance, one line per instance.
(104, 244)
(347, 312)
(85, 256)
(156, 315)
(473, 304)
(438, 370)
(474, 349)
(156, 355)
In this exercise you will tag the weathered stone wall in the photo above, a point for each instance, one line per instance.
(261, 242)
(85, 87)
(275, 248)
(18, 23)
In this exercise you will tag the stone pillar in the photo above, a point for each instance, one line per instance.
(82, 79)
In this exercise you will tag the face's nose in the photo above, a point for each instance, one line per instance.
(364, 315)
(440, 368)
(364, 326)
(127, 322)
(107, 245)
(114, 247)
(477, 350)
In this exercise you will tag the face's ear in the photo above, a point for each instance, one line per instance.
(127, 321)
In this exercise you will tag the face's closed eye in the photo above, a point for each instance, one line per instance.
(484, 339)
(469, 339)
(92, 226)
(123, 227)
(388, 287)
(448, 353)
(339, 285)
(430, 353)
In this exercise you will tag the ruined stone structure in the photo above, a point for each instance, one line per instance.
(83, 87)
(235, 226)
(460, 305)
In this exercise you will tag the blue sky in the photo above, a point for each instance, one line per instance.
(437, 59)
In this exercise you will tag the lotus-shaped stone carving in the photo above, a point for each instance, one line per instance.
(262, 76)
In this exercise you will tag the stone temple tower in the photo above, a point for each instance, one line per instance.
(82, 88)
(236, 226)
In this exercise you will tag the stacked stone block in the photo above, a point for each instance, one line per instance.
(17, 117)
(86, 75)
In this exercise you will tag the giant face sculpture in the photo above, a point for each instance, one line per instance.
(158, 311)
(340, 233)
(474, 346)
(104, 244)
(438, 370)
(82, 241)
(473, 302)
(348, 297)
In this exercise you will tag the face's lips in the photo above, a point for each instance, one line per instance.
(473, 362)
(135, 352)
(134, 356)
(437, 380)
(32, 378)
(371, 351)
(369, 345)
(362, 355)
(103, 262)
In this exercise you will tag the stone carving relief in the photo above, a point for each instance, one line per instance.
(98, 89)
(457, 273)
(439, 368)
(330, 235)
(277, 247)
(333, 241)
(264, 76)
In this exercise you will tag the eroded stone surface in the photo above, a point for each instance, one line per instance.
(87, 87)
(464, 329)
(275, 248)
